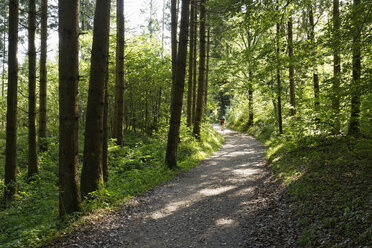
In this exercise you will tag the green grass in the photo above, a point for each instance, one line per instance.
(328, 183)
(32, 220)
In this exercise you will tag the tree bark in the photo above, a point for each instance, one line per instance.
(32, 150)
(191, 67)
(43, 144)
(201, 80)
(279, 85)
(207, 67)
(177, 90)
(195, 40)
(119, 86)
(10, 190)
(69, 194)
(315, 71)
(292, 94)
(92, 172)
(336, 61)
(105, 127)
(174, 38)
(354, 127)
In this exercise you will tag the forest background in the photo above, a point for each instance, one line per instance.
(296, 74)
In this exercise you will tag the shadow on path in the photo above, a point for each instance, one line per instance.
(213, 205)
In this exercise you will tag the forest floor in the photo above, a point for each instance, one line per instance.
(229, 200)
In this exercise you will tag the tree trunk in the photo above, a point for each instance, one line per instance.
(32, 150)
(315, 71)
(43, 144)
(279, 85)
(201, 79)
(105, 127)
(354, 127)
(191, 66)
(69, 194)
(336, 62)
(10, 190)
(292, 94)
(177, 90)
(174, 38)
(119, 86)
(92, 174)
(207, 67)
(194, 86)
(250, 100)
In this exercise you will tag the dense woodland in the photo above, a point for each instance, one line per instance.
(115, 111)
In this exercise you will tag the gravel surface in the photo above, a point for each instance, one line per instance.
(229, 200)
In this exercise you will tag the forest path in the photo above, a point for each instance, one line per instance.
(219, 203)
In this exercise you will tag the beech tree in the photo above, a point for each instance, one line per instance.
(69, 192)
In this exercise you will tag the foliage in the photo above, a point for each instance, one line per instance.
(329, 187)
(133, 169)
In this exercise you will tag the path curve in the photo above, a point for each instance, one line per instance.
(213, 205)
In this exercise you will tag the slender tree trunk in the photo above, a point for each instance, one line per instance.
(69, 194)
(194, 86)
(163, 27)
(292, 94)
(279, 85)
(10, 190)
(119, 86)
(191, 67)
(315, 71)
(177, 90)
(174, 38)
(32, 150)
(3, 62)
(105, 127)
(207, 66)
(354, 127)
(43, 144)
(336, 61)
(250, 100)
(201, 79)
(92, 171)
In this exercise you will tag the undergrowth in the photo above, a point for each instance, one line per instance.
(328, 183)
(32, 219)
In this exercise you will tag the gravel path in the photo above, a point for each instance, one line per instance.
(227, 201)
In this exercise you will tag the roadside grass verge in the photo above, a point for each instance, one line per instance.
(328, 183)
(32, 219)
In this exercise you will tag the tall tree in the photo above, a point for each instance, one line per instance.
(278, 80)
(43, 145)
(177, 89)
(92, 171)
(69, 193)
(191, 66)
(119, 85)
(354, 127)
(201, 80)
(292, 94)
(336, 61)
(11, 115)
(105, 127)
(32, 149)
(315, 71)
(174, 38)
